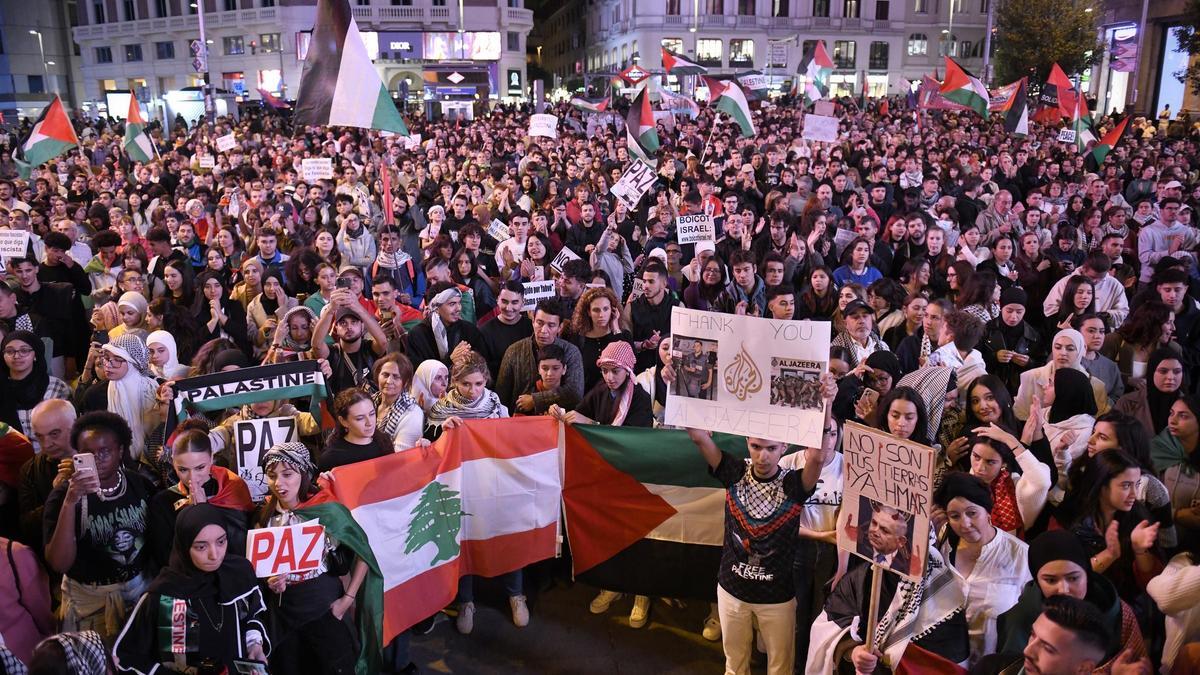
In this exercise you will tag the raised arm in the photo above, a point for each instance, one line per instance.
(709, 450)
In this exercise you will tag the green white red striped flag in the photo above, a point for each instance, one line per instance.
(675, 64)
(733, 102)
(1107, 143)
(51, 136)
(964, 88)
(816, 67)
(641, 134)
(588, 105)
(137, 142)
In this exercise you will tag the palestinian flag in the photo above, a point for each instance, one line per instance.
(1106, 145)
(483, 500)
(51, 136)
(733, 102)
(137, 142)
(715, 87)
(964, 88)
(643, 513)
(340, 86)
(587, 105)
(271, 100)
(677, 65)
(1057, 99)
(1016, 109)
(235, 388)
(641, 134)
(815, 67)
(1081, 122)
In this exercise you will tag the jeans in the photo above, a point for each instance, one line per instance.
(514, 584)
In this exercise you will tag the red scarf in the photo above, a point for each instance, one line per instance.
(1005, 513)
(232, 492)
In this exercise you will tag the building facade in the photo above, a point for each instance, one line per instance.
(146, 45)
(37, 56)
(884, 42)
(1142, 79)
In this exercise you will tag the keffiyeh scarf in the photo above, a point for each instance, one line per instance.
(487, 406)
(1006, 515)
(435, 319)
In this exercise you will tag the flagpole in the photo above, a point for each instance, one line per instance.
(716, 116)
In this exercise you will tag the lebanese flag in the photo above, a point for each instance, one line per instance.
(484, 500)
(680, 66)
(964, 88)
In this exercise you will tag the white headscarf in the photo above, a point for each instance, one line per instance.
(172, 369)
(133, 397)
(422, 383)
(435, 319)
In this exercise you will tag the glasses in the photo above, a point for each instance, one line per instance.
(114, 361)
(18, 351)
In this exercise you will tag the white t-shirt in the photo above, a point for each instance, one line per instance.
(820, 510)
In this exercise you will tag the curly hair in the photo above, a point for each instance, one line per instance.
(103, 420)
(1144, 327)
(467, 365)
(581, 322)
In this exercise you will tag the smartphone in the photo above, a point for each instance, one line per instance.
(84, 461)
(344, 282)
(870, 396)
(100, 337)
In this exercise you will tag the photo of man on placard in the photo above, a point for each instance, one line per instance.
(695, 368)
(885, 535)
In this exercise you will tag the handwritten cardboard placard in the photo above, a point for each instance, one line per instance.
(206, 161)
(316, 168)
(226, 143)
(820, 128)
(887, 499)
(285, 550)
(634, 183)
(13, 244)
(543, 125)
(498, 230)
(535, 292)
(748, 375)
(564, 256)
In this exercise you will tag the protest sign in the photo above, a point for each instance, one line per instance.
(251, 439)
(412, 142)
(695, 228)
(316, 168)
(820, 128)
(535, 292)
(887, 499)
(206, 161)
(233, 388)
(634, 183)
(226, 143)
(285, 550)
(498, 230)
(1066, 135)
(13, 244)
(543, 125)
(842, 238)
(564, 256)
(823, 108)
(748, 375)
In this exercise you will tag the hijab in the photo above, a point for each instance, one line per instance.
(271, 305)
(131, 395)
(28, 392)
(136, 302)
(1159, 402)
(619, 354)
(1076, 338)
(172, 369)
(182, 579)
(422, 384)
(288, 343)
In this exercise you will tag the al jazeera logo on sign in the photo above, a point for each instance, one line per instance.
(747, 375)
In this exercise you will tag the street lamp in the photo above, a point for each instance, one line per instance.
(41, 48)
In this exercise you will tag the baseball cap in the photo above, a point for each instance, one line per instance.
(346, 312)
(1171, 185)
(856, 306)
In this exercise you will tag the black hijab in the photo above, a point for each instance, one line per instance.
(182, 579)
(1072, 395)
(1160, 402)
(26, 393)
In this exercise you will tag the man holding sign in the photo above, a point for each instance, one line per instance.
(762, 513)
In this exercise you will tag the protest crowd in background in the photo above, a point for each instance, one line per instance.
(1027, 309)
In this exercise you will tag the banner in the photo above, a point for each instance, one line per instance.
(543, 125)
(634, 183)
(285, 550)
(748, 375)
(1124, 51)
(820, 128)
(694, 228)
(535, 292)
(564, 256)
(929, 96)
(887, 499)
(232, 388)
(252, 439)
(316, 168)
(999, 98)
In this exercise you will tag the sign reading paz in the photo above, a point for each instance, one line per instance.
(634, 183)
(748, 375)
(887, 500)
(251, 439)
(285, 550)
(695, 228)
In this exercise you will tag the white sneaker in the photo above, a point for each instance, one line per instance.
(641, 611)
(712, 628)
(520, 611)
(466, 618)
(603, 601)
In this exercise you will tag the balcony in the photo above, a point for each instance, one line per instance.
(188, 23)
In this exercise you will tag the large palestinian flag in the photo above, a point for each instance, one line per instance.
(815, 67)
(674, 64)
(1106, 145)
(340, 85)
(733, 103)
(643, 513)
(964, 88)
(484, 500)
(641, 134)
(137, 142)
(51, 136)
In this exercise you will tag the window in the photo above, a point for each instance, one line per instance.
(918, 44)
(160, 8)
(921, 6)
(780, 8)
(37, 85)
(708, 51)
(439, 3)
(878, 57)
(234, 46)
(268, 3)
(130, 10)
(948, 46)
(103, 54)
(164, 50)
(741, 53)
(98, 11)
(270, 42)
(850, 9)
(821, 8)
(133, 53)
(965, 49)
(882, 9)
(673, 7)
(716, 6)
(746, 7)
(516, 4)
(673, 45)
(2, 44)
(844, 52)
(514, 41)
(230, 5)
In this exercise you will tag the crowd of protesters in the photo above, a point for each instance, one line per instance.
(1027, 312)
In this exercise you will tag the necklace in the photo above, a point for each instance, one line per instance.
(109, 494)
(215, 624)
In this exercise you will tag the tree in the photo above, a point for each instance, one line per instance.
(1033, 35)
(436, 519)
(1189, 41)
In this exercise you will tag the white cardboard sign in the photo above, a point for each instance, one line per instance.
(316, 168)
(206, 161)
(498, 230)
(564, 256)
(543, 125)
(695, 228)
(13, 244)
(252, 438)
(820, 128)
(535, 292)
(1066, 135)
(226, 143)
(285, 550)
(634, 183)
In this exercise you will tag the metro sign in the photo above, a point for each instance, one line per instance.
(634, 74)
(455, 77)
